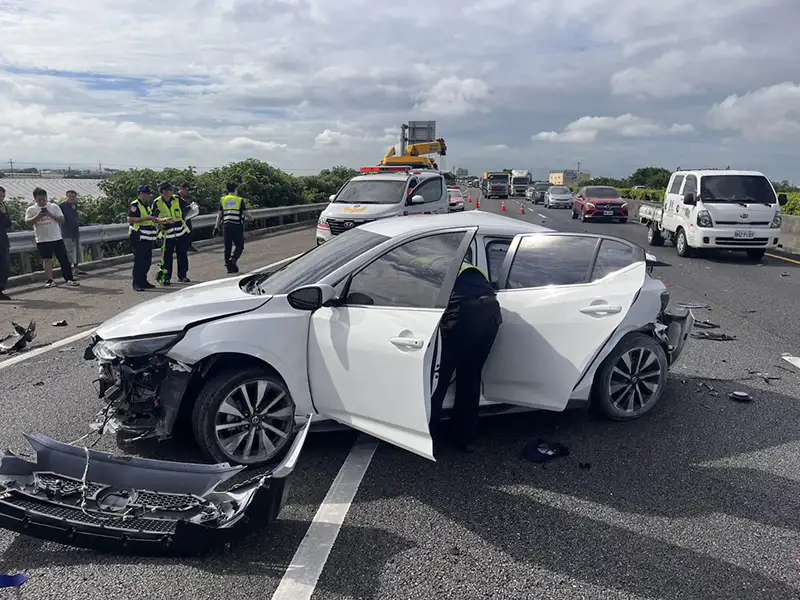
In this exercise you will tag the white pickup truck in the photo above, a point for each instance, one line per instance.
(716, 209)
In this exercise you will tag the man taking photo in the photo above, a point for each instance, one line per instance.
(46, 219)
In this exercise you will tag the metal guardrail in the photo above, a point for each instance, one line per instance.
(23, 241)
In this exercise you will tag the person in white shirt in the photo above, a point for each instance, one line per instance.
(46, 218)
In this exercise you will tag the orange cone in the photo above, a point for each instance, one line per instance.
(522, 208)
(503, 206)
(477, 202)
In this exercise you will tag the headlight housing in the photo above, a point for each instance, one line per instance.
(776, 221)
(704, 219)
(322, 220)
(135, 347)
(589, 205)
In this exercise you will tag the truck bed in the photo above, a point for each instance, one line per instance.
(650, 212)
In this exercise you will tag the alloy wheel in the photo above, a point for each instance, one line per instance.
(634, 381)
(254, 421)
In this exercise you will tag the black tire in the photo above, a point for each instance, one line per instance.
(609, 399)
(654, 237)
(756, 254)
(574, 214)
(682, 244)
(211, 397)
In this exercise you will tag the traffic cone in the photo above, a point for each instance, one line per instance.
(522, 208)
(469, 199)
(503, 206)
(477, 203)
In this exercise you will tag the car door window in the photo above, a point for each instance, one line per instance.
(676, 184)
(410, 275)
(431, 190)
(690, 185)
(496, 251)
(615, 256)
(544, 260)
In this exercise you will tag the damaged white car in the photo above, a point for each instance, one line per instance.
(349, 332)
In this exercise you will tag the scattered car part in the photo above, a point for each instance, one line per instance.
(705, 324)
(91, 499)
(61, 323)
(541, 451)
(711, 335)
(740, 397)
(792, 360)
(18, 340)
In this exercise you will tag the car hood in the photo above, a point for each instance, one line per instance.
(612, 201)
(175, 311)
(341, 210)
(725, 213)
(561, 196)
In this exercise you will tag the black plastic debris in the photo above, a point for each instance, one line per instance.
(765, 376)
(705, 324)
(541, 451)
(61, 323)
(584, 466)
(740, 397)
(18, 340)
(692, 305)
(712, 335)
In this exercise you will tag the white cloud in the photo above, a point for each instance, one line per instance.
(95, 84)
(587, 129)
(768, 114)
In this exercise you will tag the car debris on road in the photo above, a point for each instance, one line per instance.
(19, 340)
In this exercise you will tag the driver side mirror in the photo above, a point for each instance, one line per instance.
(689, 199)
(783, 199)
(416, 200)
(311, 297)
(332, 197)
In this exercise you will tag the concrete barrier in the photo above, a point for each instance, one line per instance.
(790, 227)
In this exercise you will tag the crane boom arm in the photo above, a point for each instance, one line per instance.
(437, 147)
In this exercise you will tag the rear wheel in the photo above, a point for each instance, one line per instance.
(756, 254)
(243, 417)
(654, 235)
(574, 214)
(631, 380)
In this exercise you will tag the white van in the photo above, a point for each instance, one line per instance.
(382, 192)
(717, 209)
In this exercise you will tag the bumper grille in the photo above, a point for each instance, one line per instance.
(341, 225)
(729, 241)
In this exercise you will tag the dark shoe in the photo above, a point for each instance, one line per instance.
(165, 283)
(4, 296)
(229, 266)
(149, 286)
(185, 280)
(137, 288)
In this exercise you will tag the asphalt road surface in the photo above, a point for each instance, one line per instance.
(699, 500)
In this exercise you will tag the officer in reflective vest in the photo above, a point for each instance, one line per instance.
(142, 234)
(232, 214)
(175, 235)
(469, 328)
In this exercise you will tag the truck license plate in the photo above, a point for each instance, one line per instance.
(744, 235)
(608, 213)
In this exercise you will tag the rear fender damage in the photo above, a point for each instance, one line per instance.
(92, 499)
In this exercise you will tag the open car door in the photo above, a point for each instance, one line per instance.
(562, 296)
(370, 355)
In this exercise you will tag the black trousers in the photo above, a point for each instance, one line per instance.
(468, 333)
(142, 259)
(234, 240)
(5, 266)
(180, 247)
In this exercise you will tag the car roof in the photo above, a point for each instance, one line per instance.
(722, 172)
(488, 223)
(395, 176)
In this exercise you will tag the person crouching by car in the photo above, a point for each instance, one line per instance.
(46, 219)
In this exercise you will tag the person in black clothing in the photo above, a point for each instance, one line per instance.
(232, 215)
(183, 198)
(143, 234)
(5, 245)
(469, 328)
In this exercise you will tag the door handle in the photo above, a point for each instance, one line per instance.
(405, 342)
(601, 310)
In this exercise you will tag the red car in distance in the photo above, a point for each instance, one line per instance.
(599, 202)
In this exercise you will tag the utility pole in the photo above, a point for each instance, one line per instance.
(579, 168)
(11, 166)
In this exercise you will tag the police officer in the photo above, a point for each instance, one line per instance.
(469, 328)
(232, 214)
(175, 235)
(142, 234)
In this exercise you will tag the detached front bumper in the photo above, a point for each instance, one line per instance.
(92, 499)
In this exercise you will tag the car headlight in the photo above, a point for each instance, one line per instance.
(135, 347)
(322, 220)
(776, 221)
(704, 219)
(589, 205)
(624, 205)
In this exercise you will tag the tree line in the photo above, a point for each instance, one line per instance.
(657, 178)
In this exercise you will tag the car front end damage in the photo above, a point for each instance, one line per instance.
(91, 499)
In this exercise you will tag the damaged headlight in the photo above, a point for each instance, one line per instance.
(135, 347)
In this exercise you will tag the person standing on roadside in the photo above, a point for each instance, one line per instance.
(71, 231)
(5, 245)
(46, 219)
(168, 208)
(143, 234)
(183, 192)
(232, 214)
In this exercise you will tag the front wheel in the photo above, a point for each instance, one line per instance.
(756, 254)
(243, 417)
(583, 215)
(632, 379)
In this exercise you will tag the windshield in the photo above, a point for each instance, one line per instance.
(542, 186)
(454, 193)
(602, 192)
(501, 178)
(520, 180)
(315, 264)
(376, 191)
(736, 188)
(559, 190)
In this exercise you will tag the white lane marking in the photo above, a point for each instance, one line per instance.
(541, 215)
(303, 573)
(14, 360)
(792, 360)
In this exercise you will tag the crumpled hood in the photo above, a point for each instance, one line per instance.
(174, 311)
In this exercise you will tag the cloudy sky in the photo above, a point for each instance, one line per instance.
(307, 84)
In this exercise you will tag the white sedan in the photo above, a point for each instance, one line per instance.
(349, 332)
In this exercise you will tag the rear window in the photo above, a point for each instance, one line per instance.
(454, 193)
(559, 190)
(602, 192)
(542, 186)
(376, 191)
(736, 188)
